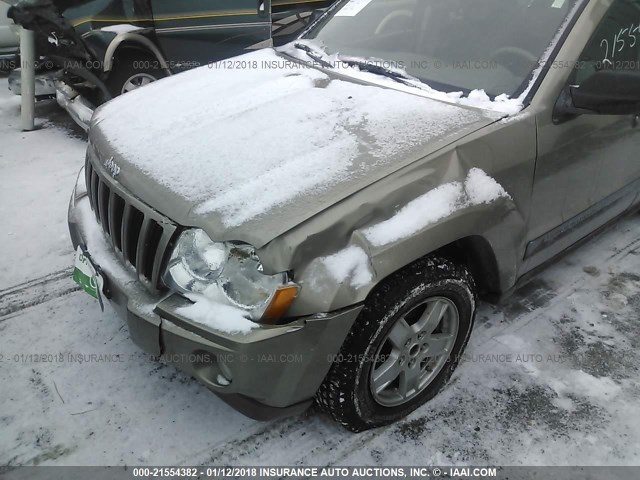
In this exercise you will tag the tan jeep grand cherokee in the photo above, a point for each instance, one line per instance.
(317, 221)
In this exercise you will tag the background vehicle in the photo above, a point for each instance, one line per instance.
(93, 50)
(9, 42)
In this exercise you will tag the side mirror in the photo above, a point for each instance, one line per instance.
(608, 92)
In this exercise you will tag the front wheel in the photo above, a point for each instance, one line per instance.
(404, 346)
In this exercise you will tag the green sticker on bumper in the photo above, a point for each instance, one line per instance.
(86, 276)
(88, 284)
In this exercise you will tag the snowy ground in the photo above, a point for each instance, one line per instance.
(550, 378)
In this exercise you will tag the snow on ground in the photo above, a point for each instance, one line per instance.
(34, 239)
(549, 377)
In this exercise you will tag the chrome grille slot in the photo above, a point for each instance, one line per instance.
(88, 172)
(116, 209)
(150, 235)
(132, 233)
(93, 193)
(140, 236)
(103, 205)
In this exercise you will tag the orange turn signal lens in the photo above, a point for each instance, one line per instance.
(280, 303)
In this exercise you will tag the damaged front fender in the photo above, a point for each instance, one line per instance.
(476, 188)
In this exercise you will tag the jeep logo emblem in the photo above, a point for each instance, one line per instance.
(112, 167)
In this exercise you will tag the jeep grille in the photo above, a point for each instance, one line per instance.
(140, 236)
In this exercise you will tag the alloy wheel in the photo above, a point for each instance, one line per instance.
(136, 81)
(414, 351)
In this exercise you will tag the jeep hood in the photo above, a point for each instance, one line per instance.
(249, 148)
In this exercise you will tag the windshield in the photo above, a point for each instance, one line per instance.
(452, 45)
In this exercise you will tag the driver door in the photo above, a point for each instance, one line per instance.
(196, 32)
(587, 164)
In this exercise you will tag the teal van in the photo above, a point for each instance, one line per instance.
(93, 50)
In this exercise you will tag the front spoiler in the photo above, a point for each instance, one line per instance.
(269, 372)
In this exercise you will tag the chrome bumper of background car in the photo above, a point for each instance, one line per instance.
(78, 107)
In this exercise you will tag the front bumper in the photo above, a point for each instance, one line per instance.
(271, 371)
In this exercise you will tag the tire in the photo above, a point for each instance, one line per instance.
(428, 293)
(133, 70)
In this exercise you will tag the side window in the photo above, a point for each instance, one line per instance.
(615, 44)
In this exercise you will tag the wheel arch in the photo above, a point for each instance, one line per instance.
(476, 253)
(132, 41)
(473, 252)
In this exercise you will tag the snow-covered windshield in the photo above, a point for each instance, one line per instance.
(451, 45)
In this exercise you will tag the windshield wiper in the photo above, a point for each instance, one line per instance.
(373, 65)
(314, 54)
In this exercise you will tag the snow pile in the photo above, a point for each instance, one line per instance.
(479, 99)
(481, 188)
(441, 202)
(216, 315)
(241, 142)
(352, 264)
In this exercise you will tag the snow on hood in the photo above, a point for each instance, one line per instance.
(237, 143)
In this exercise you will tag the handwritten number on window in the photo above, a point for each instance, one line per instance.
(619, 42)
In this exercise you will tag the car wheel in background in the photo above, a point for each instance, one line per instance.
(404, 346)
(132, 71)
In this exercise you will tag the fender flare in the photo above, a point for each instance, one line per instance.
(134, 38)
